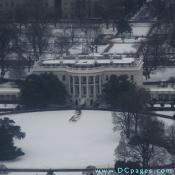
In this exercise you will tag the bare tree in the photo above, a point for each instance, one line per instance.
(129, 116)
(171, 139)
(124, 122)
(152, 51)
(144, 147)
(62, 44)
(38, 36)
(8, 39)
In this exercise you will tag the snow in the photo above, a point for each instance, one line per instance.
(168, 122)
(169, 113)
(108, 31)
(162, 89)
(138, 29)
(141, 29)
(123, 48)
(157, 105)
(75, 50)
(8, 106)
(162, 74)
(9, 91)
(52, 141)
(167, 106)
(125, 40)
(101, 48)
(83, 61)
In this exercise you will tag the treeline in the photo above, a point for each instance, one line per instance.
(21, 42)
(29, 11)
(104, 9)
(118, 9)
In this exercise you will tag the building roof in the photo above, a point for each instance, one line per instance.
(88, 61)
(9, 91)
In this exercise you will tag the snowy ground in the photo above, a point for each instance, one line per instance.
(52, 141)
(167, 122)
(162, 74)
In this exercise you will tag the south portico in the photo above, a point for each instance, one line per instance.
(85, 89)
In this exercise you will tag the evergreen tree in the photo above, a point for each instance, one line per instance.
(42, 90)
(114, 87)
(123, 26)
(9, 131)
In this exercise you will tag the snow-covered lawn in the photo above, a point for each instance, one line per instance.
(52, 141)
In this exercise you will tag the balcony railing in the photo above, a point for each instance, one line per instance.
(56, 67)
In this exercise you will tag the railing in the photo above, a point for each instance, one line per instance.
(94, 68)
(90, 170)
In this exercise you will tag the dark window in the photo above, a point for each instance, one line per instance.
(84, 90)
(132, 77)
(83, 80)
(91, 80)
(76, 80)
(91, 90)
(71, 90)
(12, 4)
(64, 78)
(71, 80)
(97, 78)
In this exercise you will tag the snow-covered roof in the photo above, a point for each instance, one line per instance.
(9, 91)
(162, 89)
(8, 106)
(91, 61)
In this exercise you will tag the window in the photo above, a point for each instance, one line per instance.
(91, 80)
(91, 90)
(71, 80)
(97, 89)
(12, 4)
(7, 4)
(83, 80)
(84, 90)
(97, 79)
(76, 91)
(132, 77)
(63, 77)
(76, 80)
(71, 90)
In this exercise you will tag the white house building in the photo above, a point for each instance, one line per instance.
(84, 76)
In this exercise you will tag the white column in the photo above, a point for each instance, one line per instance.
(87, 87)
(94, 90)
(79, 87)
(69, 83)
(73, 87)
(100, 84)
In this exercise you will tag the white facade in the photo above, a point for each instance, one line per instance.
(84, 76)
